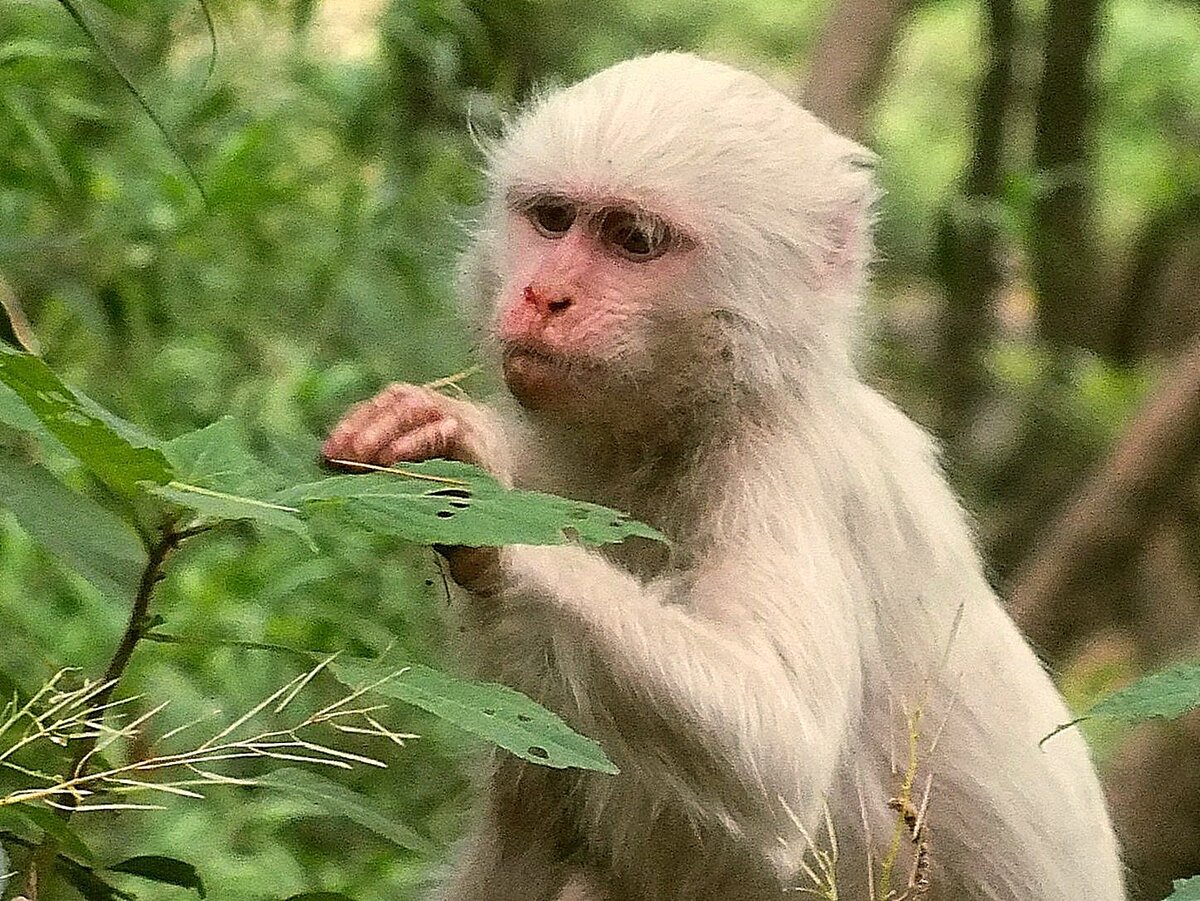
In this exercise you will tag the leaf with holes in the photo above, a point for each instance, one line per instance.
(442, 502)
(120, 457)
(494, 712)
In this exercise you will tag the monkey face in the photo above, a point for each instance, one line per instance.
(587, 280)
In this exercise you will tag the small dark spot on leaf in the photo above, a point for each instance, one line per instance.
(488, 711)
(540, 753)
(461, 505)
(429, 583)
(445, 514)
(524, 718)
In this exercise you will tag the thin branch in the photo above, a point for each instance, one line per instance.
(17, 320)
(86, 27)
(212, 40)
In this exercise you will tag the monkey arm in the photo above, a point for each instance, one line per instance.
(685, 685)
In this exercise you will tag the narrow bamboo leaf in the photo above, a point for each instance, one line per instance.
(1185, 890)
(1166, 694)
(119, 460)
(168, 870)
(67, 840)
(493, 712)
(217, 476)
(85, 881)
(86, 537)
(12, 824)
(441, 502)
(333, 799)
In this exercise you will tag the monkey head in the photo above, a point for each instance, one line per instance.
(667, 230)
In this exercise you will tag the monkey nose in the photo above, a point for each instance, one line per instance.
(546, 302)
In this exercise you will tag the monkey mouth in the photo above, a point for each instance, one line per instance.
(542, 379)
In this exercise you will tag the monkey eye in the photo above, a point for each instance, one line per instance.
(553, 218)
(634, 237)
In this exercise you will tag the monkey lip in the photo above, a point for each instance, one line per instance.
(541, 379)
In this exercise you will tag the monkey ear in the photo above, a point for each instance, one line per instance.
(847, 246)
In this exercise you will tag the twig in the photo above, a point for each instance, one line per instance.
(17, 320)
(452, 380)
(396, 470)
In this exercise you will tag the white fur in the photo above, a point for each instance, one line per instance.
(821, 589)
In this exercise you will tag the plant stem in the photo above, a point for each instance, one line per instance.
(170, 538)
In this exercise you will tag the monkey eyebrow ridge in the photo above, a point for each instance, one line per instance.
(522, 199)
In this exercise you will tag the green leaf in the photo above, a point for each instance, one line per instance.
(1185, 890)
(442, 502)
(91, 540)
(494, 712)
(68, 842)
(334, 799)
(217, 476)
(85, 881)
(1168, 694)
(15, 413)
(119, 457)
(319, 896)
(162, 869)
(217, 456)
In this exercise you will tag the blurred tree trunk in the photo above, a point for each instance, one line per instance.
(1064, 260)
(1111, 514)
(1152, 255)
(967, 249)
(849, 60)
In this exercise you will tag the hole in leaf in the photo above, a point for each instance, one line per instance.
(540, 753)
(488, 711)
(429, 583)
(445, 514)
(461, 505)
(524, 718)
(450, 492)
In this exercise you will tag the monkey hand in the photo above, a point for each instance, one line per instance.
(408, 423)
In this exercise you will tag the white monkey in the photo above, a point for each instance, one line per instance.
(670, 266)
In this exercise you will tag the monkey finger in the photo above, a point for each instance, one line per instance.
(438, 438)
(385, 425)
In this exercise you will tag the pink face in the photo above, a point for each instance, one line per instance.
(583, 275)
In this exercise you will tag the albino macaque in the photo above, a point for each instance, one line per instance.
(669, 269)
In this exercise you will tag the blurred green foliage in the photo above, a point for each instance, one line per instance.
(339, 184)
